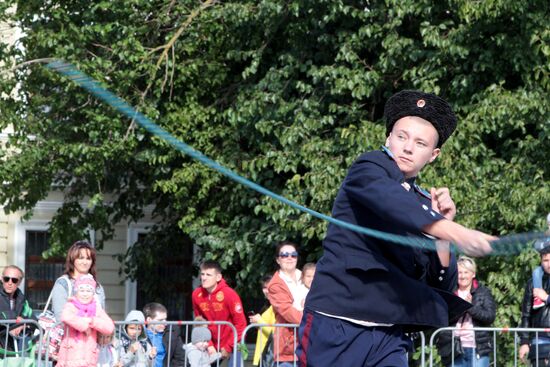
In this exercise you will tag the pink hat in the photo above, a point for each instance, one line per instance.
(86, 280)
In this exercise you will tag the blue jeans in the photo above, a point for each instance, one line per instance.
(235, 355)
(470, 359)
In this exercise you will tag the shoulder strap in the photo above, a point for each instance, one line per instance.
(48, 301)
(69, 290)
(69, 285)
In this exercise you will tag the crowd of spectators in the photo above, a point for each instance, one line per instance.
(90, 338)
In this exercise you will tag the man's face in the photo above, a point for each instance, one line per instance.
(413, 142)
(210, 279)
(545, 263)
(159, 317)
(11, 279)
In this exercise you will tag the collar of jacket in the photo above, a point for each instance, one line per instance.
(15, 294)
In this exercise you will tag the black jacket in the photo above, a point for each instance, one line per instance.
(483, 313)
(21, 309)
(530, 318)
(174, 347)
(369, 279)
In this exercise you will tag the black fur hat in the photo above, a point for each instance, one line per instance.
(424, 105)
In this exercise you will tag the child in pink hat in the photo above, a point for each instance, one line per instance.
(83, 319)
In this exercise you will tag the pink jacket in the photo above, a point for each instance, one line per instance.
(79, 344)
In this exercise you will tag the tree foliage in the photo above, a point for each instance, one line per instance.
(285, 93)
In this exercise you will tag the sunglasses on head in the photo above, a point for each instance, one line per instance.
(13, 280)
(293, 254)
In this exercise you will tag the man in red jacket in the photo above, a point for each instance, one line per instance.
(214, 300)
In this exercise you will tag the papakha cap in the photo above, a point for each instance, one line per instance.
(424, 105)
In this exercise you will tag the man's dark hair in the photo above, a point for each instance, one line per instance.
(544, 251)
(152, 309)
(211, 264)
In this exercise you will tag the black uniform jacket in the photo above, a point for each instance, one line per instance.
(368, 279)
(531, 318)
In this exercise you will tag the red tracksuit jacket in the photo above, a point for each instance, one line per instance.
(223, 304)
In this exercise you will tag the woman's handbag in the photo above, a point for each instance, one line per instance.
(53, 331)
(458, 350)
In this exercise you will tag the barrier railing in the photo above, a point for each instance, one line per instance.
(20, 351)
(494, 331)
(170, 328)
(274, 330)
(18, 348)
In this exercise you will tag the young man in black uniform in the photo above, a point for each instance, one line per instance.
(367, 292)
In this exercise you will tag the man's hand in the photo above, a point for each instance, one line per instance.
(134, 347)
(474, 243)
(523, 351)
(211, 350)
(443, 203)
(540, 293)
(225, 354)
(17, 330)
(255, 319)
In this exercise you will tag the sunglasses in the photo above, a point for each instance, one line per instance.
(293, 254)
(13, 280)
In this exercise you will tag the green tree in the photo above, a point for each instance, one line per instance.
(285, 93)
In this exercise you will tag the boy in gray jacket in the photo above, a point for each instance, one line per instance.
(136, 350)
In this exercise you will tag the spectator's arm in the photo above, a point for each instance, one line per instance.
(102, 322)
(526, 307)
(484, 308)
(281, 300)
(69, 317)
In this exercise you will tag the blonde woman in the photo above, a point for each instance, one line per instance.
(477, 346)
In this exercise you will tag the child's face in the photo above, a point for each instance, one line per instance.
(201, 345)
(85, 295)
(134, 330)
(104, 339)
(307, 277)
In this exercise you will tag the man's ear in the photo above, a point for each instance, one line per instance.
(218, 277)
(435, 154)
(388, 141)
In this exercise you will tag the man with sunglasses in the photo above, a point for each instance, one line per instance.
(368, 292)
(13, 304)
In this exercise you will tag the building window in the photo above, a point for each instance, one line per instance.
(40, 273)
(168, 282)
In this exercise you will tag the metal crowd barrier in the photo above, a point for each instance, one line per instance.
(494, 330)
(22, 350)
(274, 330)
(19, 351)
(185, 335)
